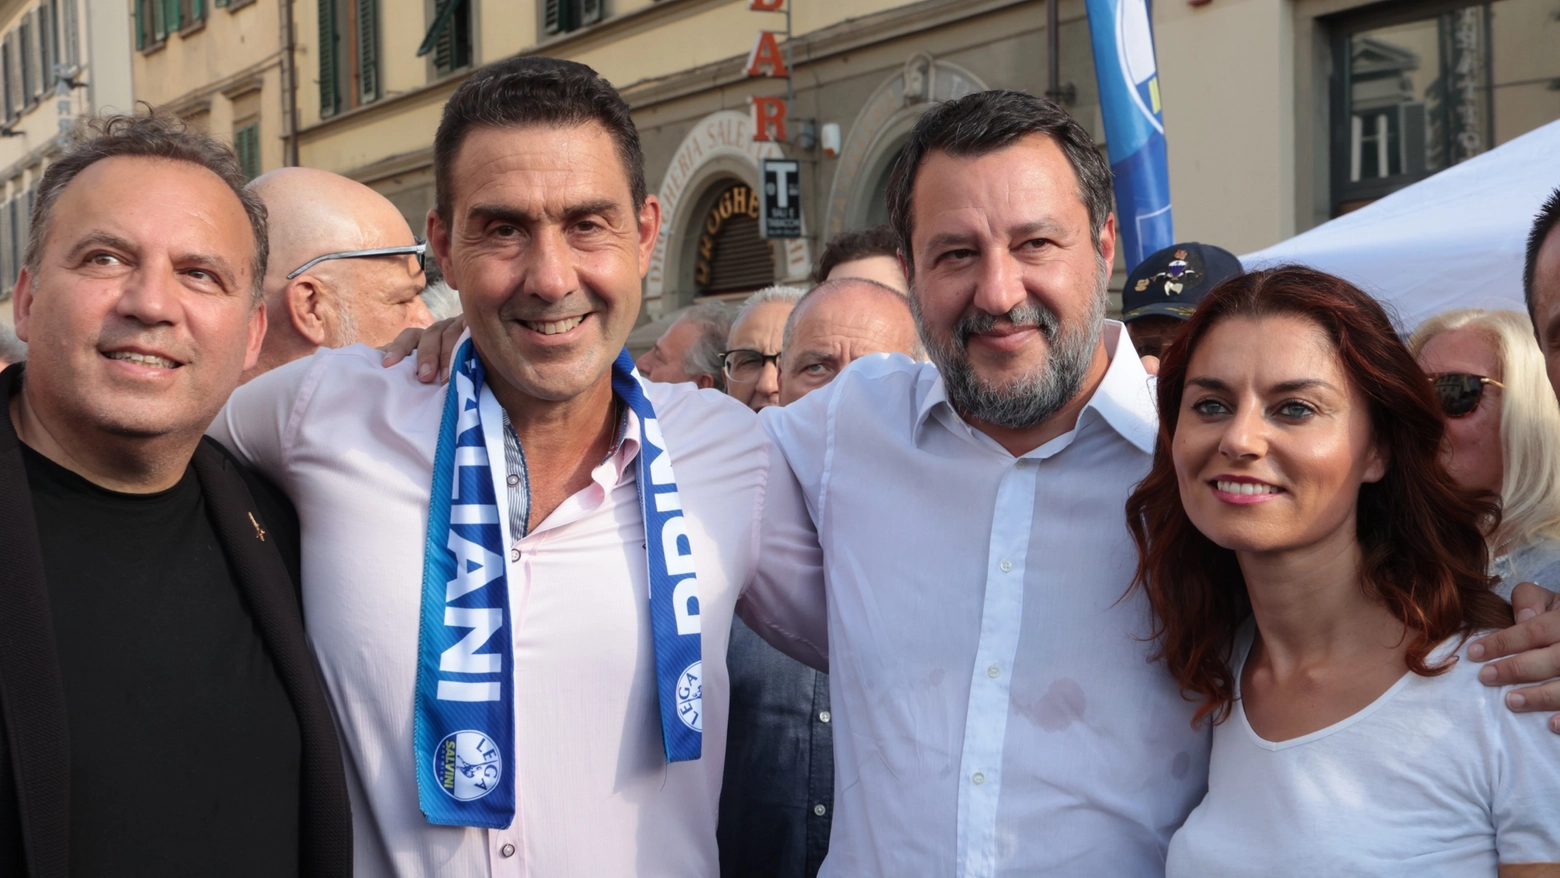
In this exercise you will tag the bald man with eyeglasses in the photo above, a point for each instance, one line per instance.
(345, 267)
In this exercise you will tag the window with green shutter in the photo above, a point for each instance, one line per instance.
(562, 16)
(5, 79)
(449, 37)
(367, 32)
(173, 11)
(40, 74)
(330, 95)
(70, 32)
(151, 22)
(246, 143)
(24, 39)
(48, 46)
(13, 73)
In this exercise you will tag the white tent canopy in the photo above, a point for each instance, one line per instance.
(1454, 240)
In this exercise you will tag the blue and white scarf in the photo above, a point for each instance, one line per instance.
(464, 728)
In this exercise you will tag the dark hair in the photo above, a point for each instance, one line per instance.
(1548, 217)
(850, 246)
(534, 90)
(985, 122)
(1422, 538)
(152, 136)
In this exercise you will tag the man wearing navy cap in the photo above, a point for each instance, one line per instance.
(1164, 290)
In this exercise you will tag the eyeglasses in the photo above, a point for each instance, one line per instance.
(1459, 393)
(744, 366)
(419, 249)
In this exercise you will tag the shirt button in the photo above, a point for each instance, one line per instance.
(979, 778)
(513, 480)
(514, 554)
(507, 850)
(1021, 463)
(820, 810)
(1006, 565)
(993, 672)
(824, 716)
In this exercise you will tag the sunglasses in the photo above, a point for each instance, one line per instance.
(1459, 393)
(419, 249)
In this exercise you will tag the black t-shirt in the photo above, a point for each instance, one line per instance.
(184, 748)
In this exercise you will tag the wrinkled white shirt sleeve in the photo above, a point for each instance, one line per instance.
(785, 602)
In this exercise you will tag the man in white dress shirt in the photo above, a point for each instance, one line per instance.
(995, 709)
(544, 225)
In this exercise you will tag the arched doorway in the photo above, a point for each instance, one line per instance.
(717, 154)
(876, 137)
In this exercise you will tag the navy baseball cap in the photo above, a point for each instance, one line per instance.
(1172, 281)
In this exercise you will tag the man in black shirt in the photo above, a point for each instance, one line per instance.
(160, 713)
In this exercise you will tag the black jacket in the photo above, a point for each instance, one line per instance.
(34, 753)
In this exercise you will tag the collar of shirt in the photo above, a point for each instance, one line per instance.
(1124, 400)
(518, 475)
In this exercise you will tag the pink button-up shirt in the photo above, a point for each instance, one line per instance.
(352, 444)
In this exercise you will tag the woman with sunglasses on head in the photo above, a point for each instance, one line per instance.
(1314, 575)
(1502, 432)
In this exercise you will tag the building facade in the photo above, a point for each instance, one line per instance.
(1279, 113)
(225, 67)
(59, 60)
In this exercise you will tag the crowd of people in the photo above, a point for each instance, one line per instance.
(305, 575)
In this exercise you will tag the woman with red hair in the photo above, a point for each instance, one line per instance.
(1314, 575)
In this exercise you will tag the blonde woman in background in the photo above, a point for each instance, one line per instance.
(1502, 432)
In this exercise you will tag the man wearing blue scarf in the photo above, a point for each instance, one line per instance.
(520, 584)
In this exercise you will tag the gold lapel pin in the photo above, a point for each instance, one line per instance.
(259, 531)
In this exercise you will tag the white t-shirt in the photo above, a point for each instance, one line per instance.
(1435, 778)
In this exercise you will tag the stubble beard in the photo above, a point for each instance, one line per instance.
(1030, 399)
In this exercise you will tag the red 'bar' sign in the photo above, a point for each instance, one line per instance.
(766, 60)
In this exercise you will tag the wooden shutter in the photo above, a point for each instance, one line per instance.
(552, 16)
(173, 16)
(449, 36)
(13, 69)
(159, 12)
(444, 50)
(8, 270)
(197, 11)
(5, 78)
(47, 56)
(40, 74)
(330, 98)
(13, 239)
(591, 11)
(24, 40)
(452, 36)
(70, 31)
(246, 143)
(367, 50)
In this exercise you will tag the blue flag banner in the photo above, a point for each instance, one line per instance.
(1128, 77)
(464, 720)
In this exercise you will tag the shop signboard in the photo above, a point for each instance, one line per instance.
(780, 199)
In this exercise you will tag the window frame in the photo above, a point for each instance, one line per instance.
(447, 19)
(354, 73)
(1341, 30)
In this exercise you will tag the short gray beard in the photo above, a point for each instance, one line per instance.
(1031, 399)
